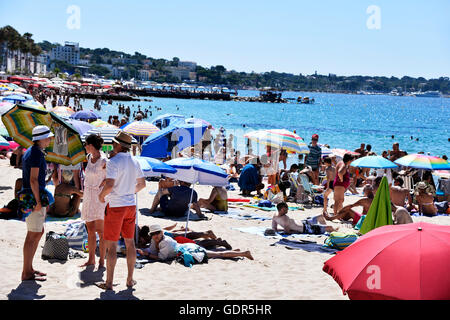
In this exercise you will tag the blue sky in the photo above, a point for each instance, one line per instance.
(291, 36)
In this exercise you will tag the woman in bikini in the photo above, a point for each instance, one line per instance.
(341, 182)
(67, 198)
(425, 200)
(217, 201)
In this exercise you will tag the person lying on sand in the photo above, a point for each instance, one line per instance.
(315, 225)
(164, 248)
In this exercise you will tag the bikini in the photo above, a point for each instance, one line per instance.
(220, 204)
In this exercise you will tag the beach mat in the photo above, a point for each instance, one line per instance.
(278, 235)
(255, 206)
(305, 245)
(241, 215)
(59, 219)
(158, 214)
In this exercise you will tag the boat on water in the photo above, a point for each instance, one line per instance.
(428, 94)
(271, 95)
(305, 100)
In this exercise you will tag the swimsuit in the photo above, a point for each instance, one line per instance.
(220, 204)
(345, 183)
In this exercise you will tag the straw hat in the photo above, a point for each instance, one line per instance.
(421, 185)
(123, 138)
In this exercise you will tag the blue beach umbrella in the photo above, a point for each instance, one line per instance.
(179, 135)
(152, 167)
(15, 98)
(193, 170)
(85, 115)
(376, 162)
(167, 119)
(81, 126)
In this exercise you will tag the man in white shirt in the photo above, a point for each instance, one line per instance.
(124, 179)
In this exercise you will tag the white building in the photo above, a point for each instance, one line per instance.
(182, 73)
(69, 53)
(192, 66)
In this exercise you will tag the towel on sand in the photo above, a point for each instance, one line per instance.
(305, 245)
(278, 235)
(158, 214)
(240, 215)
(255, 206)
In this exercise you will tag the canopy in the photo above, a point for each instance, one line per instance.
(377, 162)
(407, 261)
(15, 98)
(421, 161)
(279, 138)
(179, 135)
(153, 167)
(380, 213)
(199, 171)
(63, 111)
(81, 126)
(20, 121)
(167, 119)
(106, 133)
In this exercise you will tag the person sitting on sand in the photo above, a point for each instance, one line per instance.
(217, 201)
(425, 200)
(347, 212)
(315, 225)
(67, 198)
(207, 239)
(164, 248)
(250, 180)
(174, 201)
(399, 194)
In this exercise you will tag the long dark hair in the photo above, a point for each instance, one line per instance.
(95, 140)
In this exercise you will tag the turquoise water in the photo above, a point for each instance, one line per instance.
(341, 120)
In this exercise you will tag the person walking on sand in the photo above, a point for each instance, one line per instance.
(341, 182)
(93, 211)
(33, 177)
(124, 178)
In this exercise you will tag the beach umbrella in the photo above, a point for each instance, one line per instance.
(421, 161)
(85, 115)
(407, 262)
(166, 119)
(342, 152)
(3, 131)
(81, 126)
(10, 146)
(4, 81)
(377, 162)
(193, 170)
(102, 124)
(279, 138)
(34, 104)
(4, 142)
(380, 212)
(5, 106)
(442, 173)
(177, 136)
(140, 128)
(326, 152)
(63, 111)
(152, 167)
(15, 98)
(106, 133)
(66, 148)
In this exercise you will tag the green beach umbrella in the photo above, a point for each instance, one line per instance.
(379, 213)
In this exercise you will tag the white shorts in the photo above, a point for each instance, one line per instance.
(35, 221)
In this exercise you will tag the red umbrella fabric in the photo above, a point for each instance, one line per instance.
(85, 84)
(405, 262)
(4, 81)
(16, 82)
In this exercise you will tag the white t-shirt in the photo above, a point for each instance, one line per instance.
(167, 248)
(125, 171)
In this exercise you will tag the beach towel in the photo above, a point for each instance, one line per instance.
(76, 216)
(380, 213)
(241, 215)
(305, 245)
(255, 206)
(278, 235)
(159, 214)
(76, 234)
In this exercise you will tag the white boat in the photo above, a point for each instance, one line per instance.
(428, 94)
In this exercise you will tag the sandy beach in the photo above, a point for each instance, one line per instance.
(277, 273)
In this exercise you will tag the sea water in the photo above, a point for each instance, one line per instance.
(340, 120)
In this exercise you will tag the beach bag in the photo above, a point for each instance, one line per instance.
(190, 254)
(340, 240)
(76, 234)
(55, 247)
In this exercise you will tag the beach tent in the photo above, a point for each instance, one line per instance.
(179, 135)
(380, 213)
(167, 119)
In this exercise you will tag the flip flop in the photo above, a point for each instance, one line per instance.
(34, 278)
(102, 285)
(133, 283)
(40, 274)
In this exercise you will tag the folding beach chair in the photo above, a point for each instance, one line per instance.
(307, 188)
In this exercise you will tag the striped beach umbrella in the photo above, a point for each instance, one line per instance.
(342, 152)
(422, 161)
(20, 121)
(63, 111)
(279, 138)
(140, 128)
(106, 133)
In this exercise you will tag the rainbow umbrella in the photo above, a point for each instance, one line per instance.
(421, 161)
(140, 128)
(63, 111)
(102, 124)
(20, 121)
(279, 138)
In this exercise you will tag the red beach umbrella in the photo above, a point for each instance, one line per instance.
(85, 84)
(401, 262)
(4, 81)
(95, 85)
(16, 82)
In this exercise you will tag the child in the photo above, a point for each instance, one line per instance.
(315, 225)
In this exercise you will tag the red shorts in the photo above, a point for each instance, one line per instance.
(119, 220)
